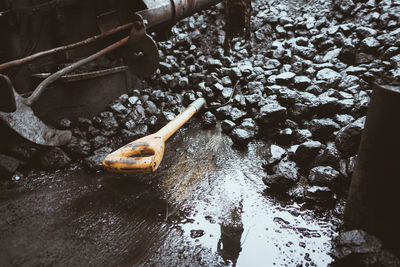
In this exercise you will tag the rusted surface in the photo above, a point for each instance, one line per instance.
(26, 124)
(42, 86)
(49, 52)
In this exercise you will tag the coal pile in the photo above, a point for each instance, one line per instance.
(301, 83)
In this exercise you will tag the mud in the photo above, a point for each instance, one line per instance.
(205, 206)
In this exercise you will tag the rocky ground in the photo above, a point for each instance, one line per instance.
(301, 83)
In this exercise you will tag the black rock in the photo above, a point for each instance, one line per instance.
(236, 114)
(271, 113)
(323, 128)
(370, 44)
(8, 165)
(330, 156)
(94, 162)
(241, 136)
(227, 126)
(285, 78)
(209, 120)
(357, 242)
(306, 153)
(324, 176)
(319, 194)
(23, 149)
(329, 77)
(54, 158)
(348, 138)
(78, 147)
(99, 141)
(151, 108)
(276, 153)
(196, 233)
(107, 121)
(285, 176)
(302, 82)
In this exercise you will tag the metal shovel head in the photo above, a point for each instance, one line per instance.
(26, 124)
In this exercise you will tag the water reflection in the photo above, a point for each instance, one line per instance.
(229, 246)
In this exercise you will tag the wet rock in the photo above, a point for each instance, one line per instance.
(107, 121)
(8, 165)
(242, 136)
(323, 128)
(94, 162)
(370, 44)
(271, 113)
(329, 77)
(119, 108)
(285, 176)
(83, 123)
(151, 108)
(302, 82)
(209, 120)
(276, 154)
(348, 138)
(23, 149)
(227, 126)
(98, 141)
(330, 156)
(324, 176)
(285, 78)
(306, 153)
(54, 158)
(64, 123)
(196, 233)
(236, 114)
(356, 242)
(78, 147)
(319, 194)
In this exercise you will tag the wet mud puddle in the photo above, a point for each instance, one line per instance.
(229, 216)
(205, 206)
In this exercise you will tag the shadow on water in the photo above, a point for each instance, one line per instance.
(205, 206)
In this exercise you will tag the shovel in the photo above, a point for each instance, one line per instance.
(145, 154)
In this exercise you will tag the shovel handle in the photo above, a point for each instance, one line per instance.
(181, 119)
(146, 153)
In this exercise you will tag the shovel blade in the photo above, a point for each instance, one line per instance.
(29, 126)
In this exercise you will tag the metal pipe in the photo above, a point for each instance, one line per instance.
(373, 196)
(89, 40)
(40, 88)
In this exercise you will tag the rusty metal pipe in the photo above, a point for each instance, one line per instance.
(40, 88)
(169, 12)
(87, 41)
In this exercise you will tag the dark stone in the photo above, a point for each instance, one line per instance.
(306, 153)
(227, 125)
(23, 149)
(301, 135)
(276, 153)
(370, 44)
(330, 156)
(224, 112)
(8, 165)
(107, 121)
(64, 124)
(196, 233)
(285, 176)
(271, 113)
(323, 128)
(99, 141)
(319, 194)
(78, 147)
(330, 77)
(242, 136)
(94, 162)
(357, 242)
(348, 138)
(324, 176)
(209, 120)
(54, 158)
(138, 114)
(285, 78)
(236, 114)
(151, 108)
(302, 82)
(119, 108)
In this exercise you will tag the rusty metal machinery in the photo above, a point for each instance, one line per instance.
(30, 37)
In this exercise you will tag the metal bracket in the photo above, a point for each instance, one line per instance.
(141, 52)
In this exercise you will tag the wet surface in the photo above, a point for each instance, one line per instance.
(205, 205)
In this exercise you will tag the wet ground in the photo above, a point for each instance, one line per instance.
(205, 206)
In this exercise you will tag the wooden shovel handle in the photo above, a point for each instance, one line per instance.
(141, 155)
(146, 153)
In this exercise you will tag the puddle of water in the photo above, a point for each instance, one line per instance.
(223, 191)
